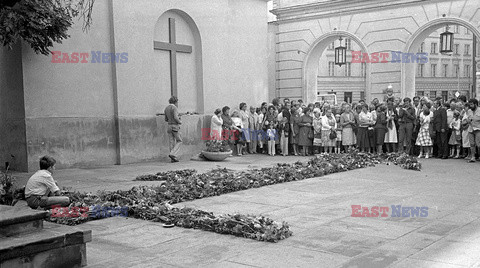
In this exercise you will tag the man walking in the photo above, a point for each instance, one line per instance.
(406, 116)
(173, 130)
(440, 127)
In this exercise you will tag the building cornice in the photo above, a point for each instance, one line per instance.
(328, 8)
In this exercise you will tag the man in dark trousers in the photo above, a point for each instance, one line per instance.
(406, 117)
(173, 130)
(441, 129)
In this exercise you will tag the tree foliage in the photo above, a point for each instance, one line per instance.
(41, 23)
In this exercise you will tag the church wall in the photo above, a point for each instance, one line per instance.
(69, 107)
(12, 113)
(94, 114)
(234, 58)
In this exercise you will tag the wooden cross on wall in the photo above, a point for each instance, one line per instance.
(173, 48)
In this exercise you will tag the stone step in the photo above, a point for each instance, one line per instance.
(20, 219)
(53, 246)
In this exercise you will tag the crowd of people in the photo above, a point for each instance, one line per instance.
(420, 127)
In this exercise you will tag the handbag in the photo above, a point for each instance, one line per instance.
(333, 134)
(310, 134)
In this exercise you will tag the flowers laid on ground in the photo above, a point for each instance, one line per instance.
(144, 203)
(154, 202)
(186, 185)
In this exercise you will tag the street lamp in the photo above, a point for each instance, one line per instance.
(340, 54)
(446, 41)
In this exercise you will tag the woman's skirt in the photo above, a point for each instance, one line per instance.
(453, 139)
(423, 138)
(303, 139)
(348, 137)
(327, 142)
(363, 140)
(380, 136)
(391, 135)
(317, 139)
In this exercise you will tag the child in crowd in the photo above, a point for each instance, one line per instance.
(423, 139)
(272, 136)
(338, 148)
(456, 137)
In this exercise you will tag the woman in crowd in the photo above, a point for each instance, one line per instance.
(239, 140)
(262, 138)
(228, 127)
(465, 138)
(423, 139)
(252, 129)
(391, 138)
(305, 138)
(317, 130)
(245, 132)
(216, 125)
(294, 121)
(338, 146)
(380, 127)
(364, 122)
(347, 120)
(329, 131)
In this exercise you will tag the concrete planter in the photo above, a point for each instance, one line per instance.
(216, 156)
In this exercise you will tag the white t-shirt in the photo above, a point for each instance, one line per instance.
(40, 183)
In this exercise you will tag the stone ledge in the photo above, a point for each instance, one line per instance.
(55, 236)
(14, 215)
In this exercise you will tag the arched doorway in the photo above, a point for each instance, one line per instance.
(310, 68)
(408, 69)
(178, 56)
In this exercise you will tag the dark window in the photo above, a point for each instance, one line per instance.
(347, 97)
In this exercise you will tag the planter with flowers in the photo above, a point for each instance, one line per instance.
(217, 150)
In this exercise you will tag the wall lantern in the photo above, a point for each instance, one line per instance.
(446, 41)
(340, 54)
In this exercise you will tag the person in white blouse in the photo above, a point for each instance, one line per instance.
(244, 115)
(329, 125)
(365, 123)
(216, 125)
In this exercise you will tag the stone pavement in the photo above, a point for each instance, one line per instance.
(318, 211)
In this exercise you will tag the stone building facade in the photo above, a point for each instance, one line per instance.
(305, 29)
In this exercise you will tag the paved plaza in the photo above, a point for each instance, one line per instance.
(318, 211)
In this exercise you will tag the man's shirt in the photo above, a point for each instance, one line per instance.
(171, 115)
(40, 183)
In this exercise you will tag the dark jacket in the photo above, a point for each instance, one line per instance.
(381, 121)
(406, 115)
(440, 119)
